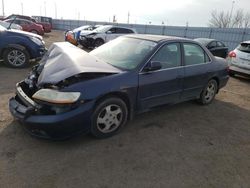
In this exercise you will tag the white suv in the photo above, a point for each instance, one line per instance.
(239, 59)
(103, 34)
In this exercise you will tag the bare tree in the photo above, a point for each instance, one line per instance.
(223, 19)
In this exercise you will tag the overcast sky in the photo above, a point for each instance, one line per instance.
(171, 12)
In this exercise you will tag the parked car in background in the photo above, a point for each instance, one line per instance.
(72, 36)
(28, 26)
(216, 47)
(46, 22)
(17, 48)
(102, 34)
(12, 26)
(72, 91)
(239, 59)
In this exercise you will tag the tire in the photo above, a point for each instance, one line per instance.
(16, 58)
(98, 42)
(231, 74)
(109, 116)
(209, 92)
(34, 31)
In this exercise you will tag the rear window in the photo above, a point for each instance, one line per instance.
(244, 47)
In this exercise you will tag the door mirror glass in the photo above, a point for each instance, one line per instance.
(153, 66)
(109, 32)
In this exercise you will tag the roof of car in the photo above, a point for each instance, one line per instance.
(204, 41)
(156, 38)
(247, 42)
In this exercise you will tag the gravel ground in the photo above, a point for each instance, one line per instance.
(186, 145)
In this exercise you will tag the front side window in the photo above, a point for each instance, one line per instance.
(194, 54)
(113, 30)
(169, 56)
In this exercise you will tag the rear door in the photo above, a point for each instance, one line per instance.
(197, 70)
(165, 85)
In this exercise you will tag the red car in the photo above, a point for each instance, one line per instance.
(28, 25)
(46, 22)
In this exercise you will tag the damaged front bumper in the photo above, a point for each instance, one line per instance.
(54, 126)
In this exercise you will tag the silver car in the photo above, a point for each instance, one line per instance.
(239, 59)
(12, 26)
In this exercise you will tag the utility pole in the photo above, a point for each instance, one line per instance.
(3, 7)
(55, 11)
(231, 13)
(22, 8)
(45, 8)
(128, 16)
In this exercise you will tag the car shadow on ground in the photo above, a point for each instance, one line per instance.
(245, 79)
(182, 144)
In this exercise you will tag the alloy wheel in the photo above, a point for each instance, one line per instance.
(210, 92)
(109, 118)
(16, 58)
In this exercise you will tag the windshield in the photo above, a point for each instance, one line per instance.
(2, 28)
(244, 47)
(124, 53)
(102, 29)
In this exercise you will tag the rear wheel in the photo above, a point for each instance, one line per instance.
(209, 92)
(109, 117)
(16, 58)
(231, 74)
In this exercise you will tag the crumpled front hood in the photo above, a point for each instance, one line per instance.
(86, 32)
(64, 60)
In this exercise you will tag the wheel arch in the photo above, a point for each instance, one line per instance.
(16, 46)
(123, 96)
(217, 81)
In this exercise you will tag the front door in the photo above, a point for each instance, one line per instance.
(165, 85)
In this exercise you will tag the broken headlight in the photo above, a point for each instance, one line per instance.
(56, 97)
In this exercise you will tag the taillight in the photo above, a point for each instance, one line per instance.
(232, 54)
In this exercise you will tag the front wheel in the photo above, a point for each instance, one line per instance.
(16, 58)
(98, 42)
(109, 117)
(209, 92)
(34, 31)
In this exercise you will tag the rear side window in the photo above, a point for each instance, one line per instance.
(123, 30)
(244, 47)
(194, 54)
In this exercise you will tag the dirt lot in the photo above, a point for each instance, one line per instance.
(186, 145)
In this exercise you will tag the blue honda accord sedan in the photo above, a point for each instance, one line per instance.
(71, 91)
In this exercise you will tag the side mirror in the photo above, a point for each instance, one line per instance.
(153, 66)
(109, 32)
